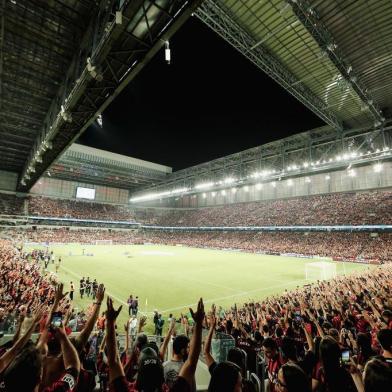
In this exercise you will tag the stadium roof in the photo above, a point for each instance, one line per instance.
(323, 149)
(63, 61)
(334, 56)
(90, 165)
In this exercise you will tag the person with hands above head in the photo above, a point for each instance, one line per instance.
(53, 361)
(24, 372)
(172, 367)
(150, 371)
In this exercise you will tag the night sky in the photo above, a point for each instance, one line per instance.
(208, 103)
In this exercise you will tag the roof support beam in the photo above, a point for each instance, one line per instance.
(307, 15)
(223, 24)
(67, 118)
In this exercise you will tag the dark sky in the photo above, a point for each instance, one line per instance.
(210, 102)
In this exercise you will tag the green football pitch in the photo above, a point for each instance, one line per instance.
(172, 278)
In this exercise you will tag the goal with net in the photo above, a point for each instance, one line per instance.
(103, 242)
(320, 270)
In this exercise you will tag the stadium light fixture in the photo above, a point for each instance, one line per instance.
(327, 177)
(308, 180)
(229, 180)
(223, 193)
(305, 164)
(233, 190)
(290, 182)
(377, 167)
(213, 194)
(204, 185)
(352, 173)
(204, 195)
(259, 186)
(246, 188)
(99, 120)
(273, 184)
(167, 52)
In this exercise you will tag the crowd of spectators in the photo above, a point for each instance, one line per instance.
(333, 336)
(67, 208)
(332, 209)
(360, 208)
(346, 246)
(374, 207)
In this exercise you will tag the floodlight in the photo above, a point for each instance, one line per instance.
(258, 186)
(352, 173)
(233, 190)
(308, 180)
(213, 194)
(273, 184)
(223, 193)
(204, 195)
(99, 120)
(167, 52)
(377, 168)
(290, 182)
(246, 188)
(327, 177)
(204, 185)
(306, 164)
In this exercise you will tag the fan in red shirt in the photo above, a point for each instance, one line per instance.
(274, 362)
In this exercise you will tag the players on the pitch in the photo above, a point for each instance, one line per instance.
(88, 287)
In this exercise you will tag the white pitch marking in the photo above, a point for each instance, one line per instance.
(213, 300)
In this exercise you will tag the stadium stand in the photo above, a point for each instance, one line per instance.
(44, 206)
(331, 209)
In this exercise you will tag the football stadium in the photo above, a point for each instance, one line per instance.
(248, 252)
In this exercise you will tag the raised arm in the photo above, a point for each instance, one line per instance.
(207, 345)
(58, 297)
(309, 339)
(86, 332)
(163, 349)
(10, 355)
(142, 323)
(115, 368)
(189, 368)
(70, 355)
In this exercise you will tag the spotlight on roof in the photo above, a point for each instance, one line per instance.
(167, 52)
(99, 120)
